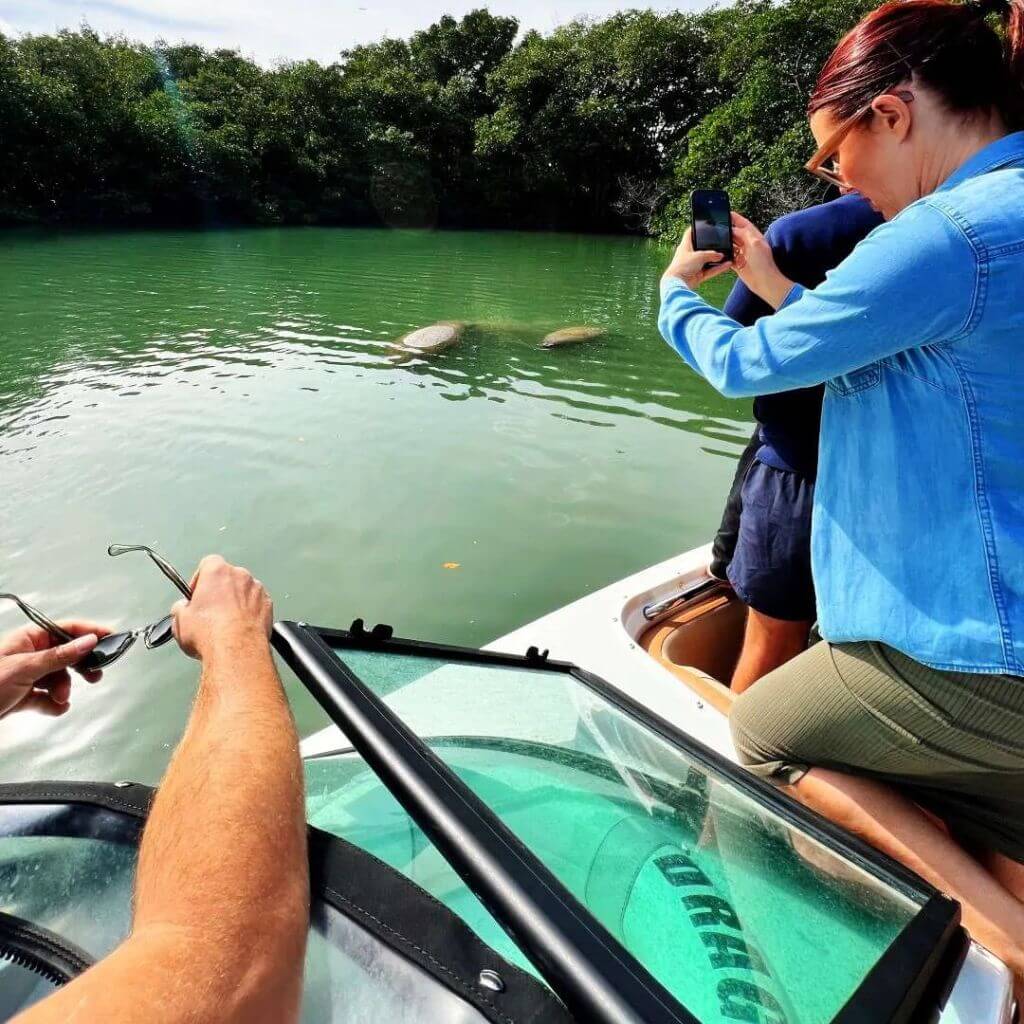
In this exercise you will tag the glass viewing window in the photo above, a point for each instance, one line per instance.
(741, 905)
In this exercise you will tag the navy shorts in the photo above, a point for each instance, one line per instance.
(771, 566)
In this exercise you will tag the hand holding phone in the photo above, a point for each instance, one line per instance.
(712, 223)
(710, 233)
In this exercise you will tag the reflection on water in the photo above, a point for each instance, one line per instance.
(237, 390)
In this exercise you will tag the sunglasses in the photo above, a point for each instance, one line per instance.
(109, 648)
(823, 164)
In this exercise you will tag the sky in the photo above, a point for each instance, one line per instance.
(273, 30)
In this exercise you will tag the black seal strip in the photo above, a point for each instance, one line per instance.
(41, 951)
(355, 883)
(129, 798)
(410, 920)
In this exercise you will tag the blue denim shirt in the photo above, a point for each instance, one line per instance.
(918, 529)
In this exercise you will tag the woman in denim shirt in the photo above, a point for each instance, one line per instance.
(912, 709)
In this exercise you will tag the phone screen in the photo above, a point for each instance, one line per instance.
(712, 221)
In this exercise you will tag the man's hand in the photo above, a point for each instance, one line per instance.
(34, 669)
(221, 913)
(227, 605)
(689, 266)
(755, 263)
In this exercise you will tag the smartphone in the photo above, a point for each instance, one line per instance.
(712, 221)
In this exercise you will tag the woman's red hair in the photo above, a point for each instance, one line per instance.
(948, 47)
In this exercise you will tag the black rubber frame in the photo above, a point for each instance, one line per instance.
(40, 950)
(384, 902)
(578, 957)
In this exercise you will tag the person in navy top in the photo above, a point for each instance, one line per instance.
(763, 546)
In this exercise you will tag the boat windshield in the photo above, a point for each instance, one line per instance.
(740, 912)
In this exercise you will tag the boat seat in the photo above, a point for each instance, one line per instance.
(699, 645)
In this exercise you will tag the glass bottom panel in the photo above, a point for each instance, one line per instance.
(346, 799)
(737, 912)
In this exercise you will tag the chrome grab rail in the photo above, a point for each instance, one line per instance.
(657, 609)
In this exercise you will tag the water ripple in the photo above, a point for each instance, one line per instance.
(238, 390)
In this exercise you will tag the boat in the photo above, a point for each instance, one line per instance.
(548, 830)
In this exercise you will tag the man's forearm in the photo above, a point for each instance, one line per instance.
(236, 779)
(221, 906)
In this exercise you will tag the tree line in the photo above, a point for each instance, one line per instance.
(595, 126)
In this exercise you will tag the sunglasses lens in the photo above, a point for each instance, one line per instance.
(107, 651)
(159, 633)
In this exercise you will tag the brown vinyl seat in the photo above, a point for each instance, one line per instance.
(699, 645)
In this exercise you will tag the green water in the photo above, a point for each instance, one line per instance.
(232, 391)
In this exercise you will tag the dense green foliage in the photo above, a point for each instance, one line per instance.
(596, 126)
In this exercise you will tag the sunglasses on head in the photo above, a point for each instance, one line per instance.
(109, 648)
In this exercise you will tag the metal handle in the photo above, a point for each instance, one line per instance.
(659, 608)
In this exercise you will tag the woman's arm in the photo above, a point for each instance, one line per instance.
(911, 282)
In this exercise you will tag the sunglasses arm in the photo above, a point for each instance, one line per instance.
(161, 563)
(172, 574)
(41, 620)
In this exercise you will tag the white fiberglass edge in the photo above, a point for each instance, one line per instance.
(599, 633)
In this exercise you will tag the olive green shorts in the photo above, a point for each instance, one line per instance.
(951, 741)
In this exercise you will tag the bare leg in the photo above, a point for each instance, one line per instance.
(1009, 873)
(767, 644)
(897, 826)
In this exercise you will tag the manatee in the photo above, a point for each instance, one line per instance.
(435, 338)
(571, 336)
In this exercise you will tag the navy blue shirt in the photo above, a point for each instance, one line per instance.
(806, 244)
